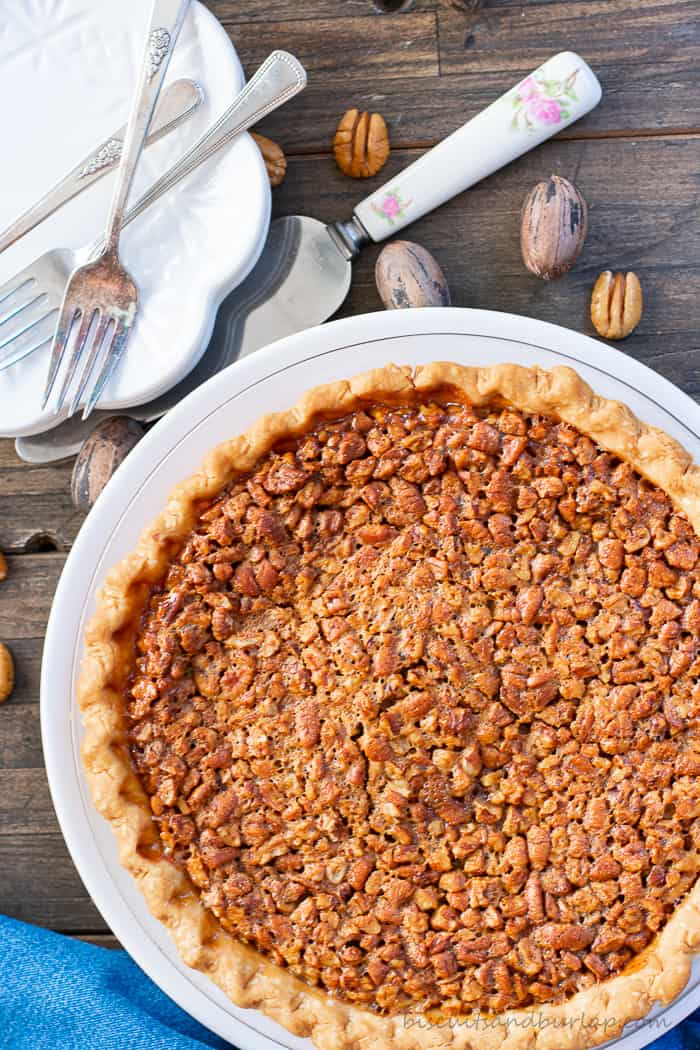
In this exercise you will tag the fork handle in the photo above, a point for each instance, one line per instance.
(279, 78)
(167, 17)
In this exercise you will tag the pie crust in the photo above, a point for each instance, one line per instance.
(591, 1016)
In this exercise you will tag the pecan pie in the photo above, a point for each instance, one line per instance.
(395, 712)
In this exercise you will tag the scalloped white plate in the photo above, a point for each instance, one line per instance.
(270, 380)
(67, 69)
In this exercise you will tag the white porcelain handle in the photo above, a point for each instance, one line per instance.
(551, 98)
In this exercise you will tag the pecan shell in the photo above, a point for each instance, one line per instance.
(553, 227)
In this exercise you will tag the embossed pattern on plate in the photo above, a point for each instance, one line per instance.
(68, 67)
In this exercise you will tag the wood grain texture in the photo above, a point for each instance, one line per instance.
(363, 43)
(20, 736)
(306, 125)
(634, 41)
(40, 884)
(444, 103)
(25, 803)
(27, 593)
(426, 76)
(23, 488)
(646, 53)
(9, 458)
(234, 12)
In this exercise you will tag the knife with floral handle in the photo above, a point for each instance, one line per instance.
(556, 94)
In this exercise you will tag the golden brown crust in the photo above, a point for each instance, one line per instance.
(590, 1017)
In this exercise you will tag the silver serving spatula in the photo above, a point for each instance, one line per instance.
(305, 270)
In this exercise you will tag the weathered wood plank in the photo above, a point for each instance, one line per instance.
(633, 225)
(643, 50)
(8, 456)
(27, 593)
(635, 41)
(25, 480)
(25, 803)
(20, 737)
(254, 11)
(63, 914)
(361, 44)
(443, 103)
(23, 489)
(40, 884)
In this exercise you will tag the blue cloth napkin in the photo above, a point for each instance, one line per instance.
(60, 994)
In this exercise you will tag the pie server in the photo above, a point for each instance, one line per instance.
(305, 270)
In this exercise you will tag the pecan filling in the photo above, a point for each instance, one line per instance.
(416, 708)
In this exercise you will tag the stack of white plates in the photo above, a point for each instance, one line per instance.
(67, 71)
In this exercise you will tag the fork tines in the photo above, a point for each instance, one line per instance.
(26, 319)
(96, 331)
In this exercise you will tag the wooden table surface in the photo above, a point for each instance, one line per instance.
(427, 68)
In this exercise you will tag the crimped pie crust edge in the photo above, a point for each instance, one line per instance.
(590, 1017)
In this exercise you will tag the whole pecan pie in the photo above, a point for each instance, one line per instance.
(394, 711)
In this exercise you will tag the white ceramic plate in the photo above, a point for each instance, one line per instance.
(270, 380)
(67, 70)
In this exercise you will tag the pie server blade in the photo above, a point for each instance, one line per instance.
(305, 269)
(300, 279)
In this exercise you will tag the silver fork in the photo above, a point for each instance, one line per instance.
(33, 296)
(101, 294)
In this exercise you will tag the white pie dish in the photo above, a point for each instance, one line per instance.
(270, 380)
(69, 68)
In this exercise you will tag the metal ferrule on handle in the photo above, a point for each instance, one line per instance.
(167, 17)
(547, 101)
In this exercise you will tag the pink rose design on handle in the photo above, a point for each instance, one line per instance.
(539, 101)
(528, 89)
(545, 110)
(392, 206)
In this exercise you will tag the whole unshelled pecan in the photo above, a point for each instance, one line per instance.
(553, 227)
(361, 144)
